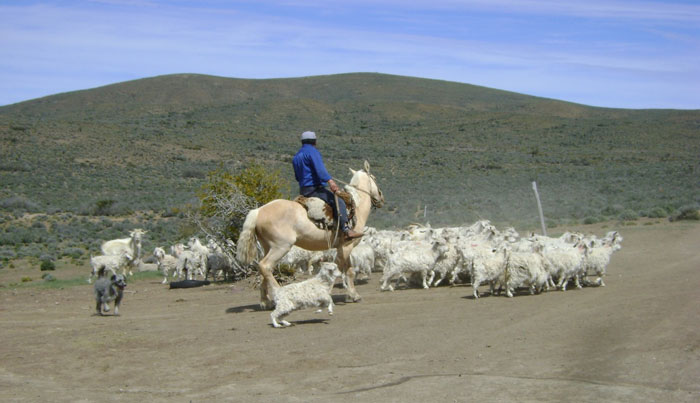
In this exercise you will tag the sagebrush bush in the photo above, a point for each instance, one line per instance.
(47, 265)
(687, 213)
(45, 256)
(7, 253)
(30, 250)
(590, 220)
(657, 212)
(73, 252)
(628, 215)
(19, 204)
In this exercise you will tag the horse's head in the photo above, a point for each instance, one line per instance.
(364, 181)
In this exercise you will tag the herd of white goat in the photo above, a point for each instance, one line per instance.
(183, 261)
(501, 259)
(479, 254)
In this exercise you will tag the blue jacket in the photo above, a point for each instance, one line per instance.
(308, 167)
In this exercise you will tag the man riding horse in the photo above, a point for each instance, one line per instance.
(281, 224)
(313, 178)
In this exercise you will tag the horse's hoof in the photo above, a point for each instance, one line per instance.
(355, 298)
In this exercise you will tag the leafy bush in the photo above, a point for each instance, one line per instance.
(657, 212)
(73, 252)
(46, 257)
(191, 173)
(628, 215)
(7, 254)
(47, 265)
(613, 210)
(30, 250)
(225, 199)
(591, 220)
(19, 203)
(687, 213)
(104, 207)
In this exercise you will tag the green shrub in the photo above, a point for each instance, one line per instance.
(590, 220)
(657, 212)
(19, 203)
(193, 174)
(687, 213)
(73, 252)
(26, 279)
(30, 250)
(47, 265)
(628, 215)
(7, 253)
(104, 207)
(613, 210)
(225, 196)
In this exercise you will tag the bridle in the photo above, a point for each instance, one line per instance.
(376, 202)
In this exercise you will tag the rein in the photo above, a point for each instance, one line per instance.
(337, 225)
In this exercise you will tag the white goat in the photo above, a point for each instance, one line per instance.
(566, 263)
(409, 257)
(214, 247)
(318, 257)
(361, 260)
(598, 257)
(314, 292)
(190, 263)
(201, 252)
(131, 245)
(526, 269)
(297, 259)
(218, 264)
(167, 264)
(177, 249)
(447, 265)
(485, 265)
(109, 262)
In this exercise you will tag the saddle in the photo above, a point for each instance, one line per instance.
(321, 213)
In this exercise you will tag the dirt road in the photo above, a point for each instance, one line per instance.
(637, 339)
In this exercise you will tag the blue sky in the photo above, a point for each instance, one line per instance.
(612, 53)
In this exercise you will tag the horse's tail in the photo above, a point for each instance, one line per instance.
(246, 250)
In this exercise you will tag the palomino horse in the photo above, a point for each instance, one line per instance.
(280, 224)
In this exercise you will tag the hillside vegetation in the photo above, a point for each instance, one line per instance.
(465, 152)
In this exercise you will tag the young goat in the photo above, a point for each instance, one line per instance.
(599, 256)
(314, 292)
(409, 257)
(167, 264)
(109, 262)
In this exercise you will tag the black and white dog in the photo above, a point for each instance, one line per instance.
(108, 290)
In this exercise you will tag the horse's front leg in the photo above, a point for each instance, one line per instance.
(344, 266)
